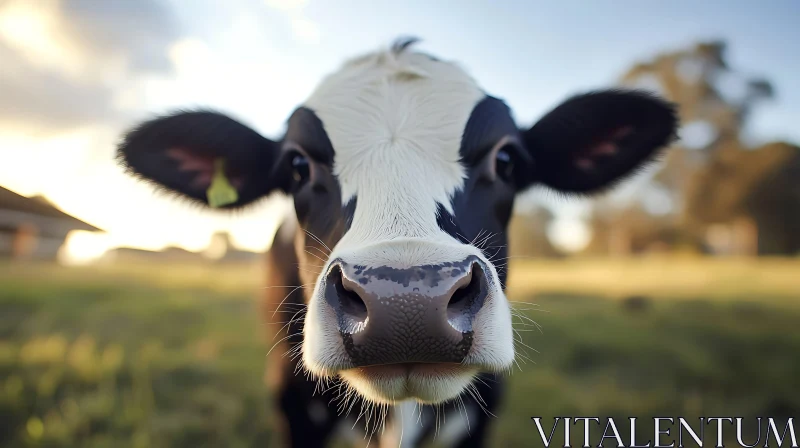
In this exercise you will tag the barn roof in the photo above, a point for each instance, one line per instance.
(40, 207)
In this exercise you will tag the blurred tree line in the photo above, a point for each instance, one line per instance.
(712, 193)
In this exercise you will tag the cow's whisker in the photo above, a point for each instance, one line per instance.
(308, 232)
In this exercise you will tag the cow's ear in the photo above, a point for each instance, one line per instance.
(592, 141)
(185, 152)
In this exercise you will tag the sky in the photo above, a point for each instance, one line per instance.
(74, 74)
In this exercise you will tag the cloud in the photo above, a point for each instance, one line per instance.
(76, 73)
(303, 28)
(139, 29)
(62, 60)
(44, 101)
(251, 89)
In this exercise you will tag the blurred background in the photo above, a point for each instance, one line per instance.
(128, 318)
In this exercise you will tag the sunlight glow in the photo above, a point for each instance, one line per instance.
(570, 235)
(83, 247)
(36, 31)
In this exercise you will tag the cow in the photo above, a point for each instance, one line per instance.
(389, 273)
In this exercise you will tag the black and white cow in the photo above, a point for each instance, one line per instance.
(403, 174)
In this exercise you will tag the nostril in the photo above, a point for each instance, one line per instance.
(351, 301)
(463, 296)
(353, 308)
(467, 300)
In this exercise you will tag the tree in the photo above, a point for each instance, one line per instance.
(695, 79)
(710, 176)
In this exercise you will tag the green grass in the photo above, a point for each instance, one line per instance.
(151, 356)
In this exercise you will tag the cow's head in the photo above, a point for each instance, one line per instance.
(403, 174)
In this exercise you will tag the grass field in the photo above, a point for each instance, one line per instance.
(152, 356)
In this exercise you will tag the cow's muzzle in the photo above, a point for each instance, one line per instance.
(422, 314)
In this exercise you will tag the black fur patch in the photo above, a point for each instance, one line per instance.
(307, 130)
(489, 121)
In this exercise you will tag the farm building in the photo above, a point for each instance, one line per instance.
(33, 228)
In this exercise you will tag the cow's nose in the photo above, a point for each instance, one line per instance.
(422, 314)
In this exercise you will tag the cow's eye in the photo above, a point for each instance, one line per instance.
(504, 165)
(300, 170)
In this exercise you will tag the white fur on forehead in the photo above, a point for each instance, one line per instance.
(395, 119)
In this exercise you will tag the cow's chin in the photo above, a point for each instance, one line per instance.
(425, 383)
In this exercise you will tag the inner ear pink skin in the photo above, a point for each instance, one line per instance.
(203, 165)
(585, 160)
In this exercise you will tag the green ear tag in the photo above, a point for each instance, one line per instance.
(221, 192)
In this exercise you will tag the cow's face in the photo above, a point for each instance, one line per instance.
(403, 173)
